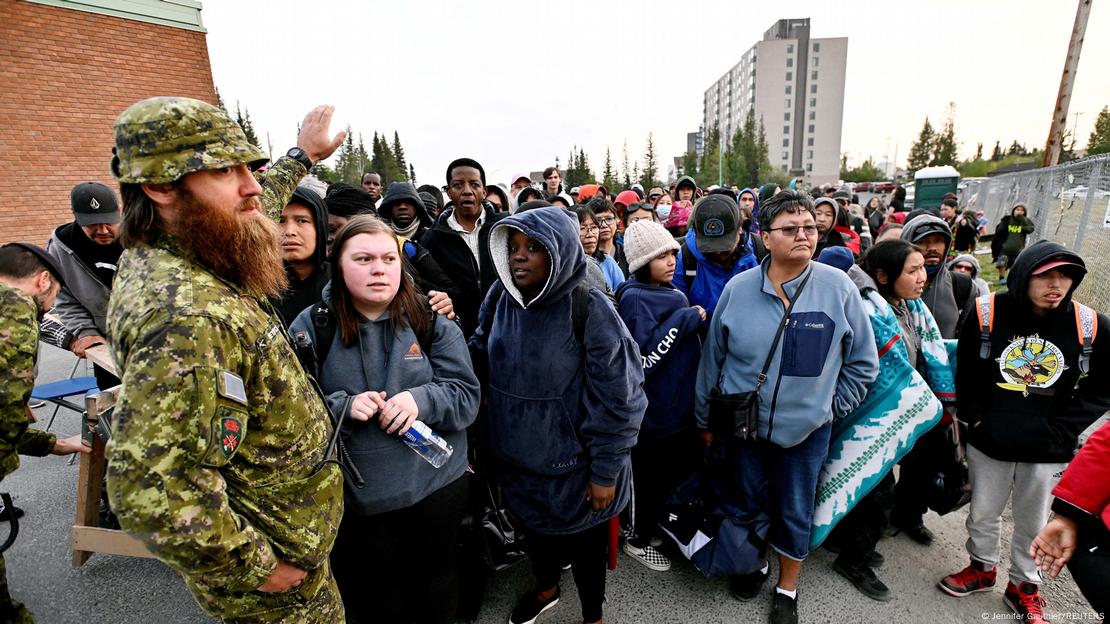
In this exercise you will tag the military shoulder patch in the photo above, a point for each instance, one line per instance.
(231, 434)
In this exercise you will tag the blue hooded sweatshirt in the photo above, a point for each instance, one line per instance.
(711, 277)
(559, 414)
(665, 327)
(825, 360)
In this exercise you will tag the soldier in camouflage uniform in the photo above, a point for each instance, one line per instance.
(219, 461)
(29, 282)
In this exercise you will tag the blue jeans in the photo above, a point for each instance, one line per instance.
(782, 482)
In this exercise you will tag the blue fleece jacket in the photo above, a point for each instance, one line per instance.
(824, 363)
(754, 192)
(559, 414)
(445, 389)
(711, 277)
(613, 274)
(665, 327)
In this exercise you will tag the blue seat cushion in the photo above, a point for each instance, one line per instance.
(63, 388)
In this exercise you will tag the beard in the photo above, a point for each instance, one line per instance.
(246, 252)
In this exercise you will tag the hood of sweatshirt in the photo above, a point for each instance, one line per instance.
(968, 258)
(1037, 255)
(558, 233)
(404, 191)
(315, 203)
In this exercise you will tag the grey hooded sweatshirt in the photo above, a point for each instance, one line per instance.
(940, 292)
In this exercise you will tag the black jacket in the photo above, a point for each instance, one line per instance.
(471, 279)
(1043, 424)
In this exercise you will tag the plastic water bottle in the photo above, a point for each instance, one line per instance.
(427, 444)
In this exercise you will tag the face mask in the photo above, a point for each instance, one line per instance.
(663, 211)
(931, 270)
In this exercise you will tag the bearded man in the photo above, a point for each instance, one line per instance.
(219, 460)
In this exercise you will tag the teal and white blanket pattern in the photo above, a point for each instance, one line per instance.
(899, 408)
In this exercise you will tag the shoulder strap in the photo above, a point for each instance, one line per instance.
(324, 323)
(1086, 326)
(690, 266)
(778, 334)
(984, 308)
(579, 311)
(425, 338)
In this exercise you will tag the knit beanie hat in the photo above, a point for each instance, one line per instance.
(644, 240)
(344, 200)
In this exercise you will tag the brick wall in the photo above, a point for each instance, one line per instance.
(65, 76)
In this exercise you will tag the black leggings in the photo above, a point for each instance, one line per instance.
(588, 553)
(399, 566)
(658, 466)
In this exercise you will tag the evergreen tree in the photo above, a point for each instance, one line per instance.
(710, 165)
(944, 148)
(347, 165)
(220, 104)
(363, 157)
(243, 118)
(583, 167)
(412, 175)
(635, 173)
(690, 164)
(1099, 141)
(651, 168)
(979, 152)
(1016, 149)
(608, 174)
(921, 151)
(399, 158)
(766, 172)
(626, 173)
(996, 154)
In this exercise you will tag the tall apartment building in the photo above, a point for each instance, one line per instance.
(796, 85)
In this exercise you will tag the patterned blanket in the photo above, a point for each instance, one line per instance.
(900, 406)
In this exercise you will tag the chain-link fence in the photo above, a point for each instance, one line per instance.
(1069, 203)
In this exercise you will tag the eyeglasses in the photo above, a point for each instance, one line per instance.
(593, 229)
(790, 231)
(606, 221)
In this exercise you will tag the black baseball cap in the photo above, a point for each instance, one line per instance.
(43, 257)
(93, 204)
(716, 222)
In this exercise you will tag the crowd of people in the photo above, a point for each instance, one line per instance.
(283, 345)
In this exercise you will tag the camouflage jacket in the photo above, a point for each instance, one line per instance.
(278, 184)
(219, 437)
(19, 347)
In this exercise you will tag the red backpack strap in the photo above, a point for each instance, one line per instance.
(984, 308)
(1086, 328)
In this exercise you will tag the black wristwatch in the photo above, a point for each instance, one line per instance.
(300, 156)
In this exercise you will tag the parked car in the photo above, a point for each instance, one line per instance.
(862, 187)
(883, 187)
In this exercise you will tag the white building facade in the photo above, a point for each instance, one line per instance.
(796, 85)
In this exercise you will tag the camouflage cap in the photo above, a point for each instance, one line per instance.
(160, 139)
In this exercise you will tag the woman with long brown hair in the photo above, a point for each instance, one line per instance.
(392, 362)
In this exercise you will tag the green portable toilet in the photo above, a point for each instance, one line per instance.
(931, 184)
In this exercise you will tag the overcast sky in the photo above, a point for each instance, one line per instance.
(515, 84)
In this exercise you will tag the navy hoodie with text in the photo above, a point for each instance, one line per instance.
(559, 415)
(665, 327)
(1027, 401)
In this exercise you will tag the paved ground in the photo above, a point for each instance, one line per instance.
(121, 590)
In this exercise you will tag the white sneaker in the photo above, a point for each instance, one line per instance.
(648, 556)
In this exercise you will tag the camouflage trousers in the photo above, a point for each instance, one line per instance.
(10, 610)
(325, 607)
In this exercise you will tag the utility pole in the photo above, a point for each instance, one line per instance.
(1067, 81)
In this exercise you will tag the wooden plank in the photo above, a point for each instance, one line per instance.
(90, 475)
(90, 539)
(102, 357)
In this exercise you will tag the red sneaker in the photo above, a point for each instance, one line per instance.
(1026, 601)
(971, 579)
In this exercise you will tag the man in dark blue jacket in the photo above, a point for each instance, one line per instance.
(719, 249)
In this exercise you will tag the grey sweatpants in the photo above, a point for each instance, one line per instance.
(992, 483)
